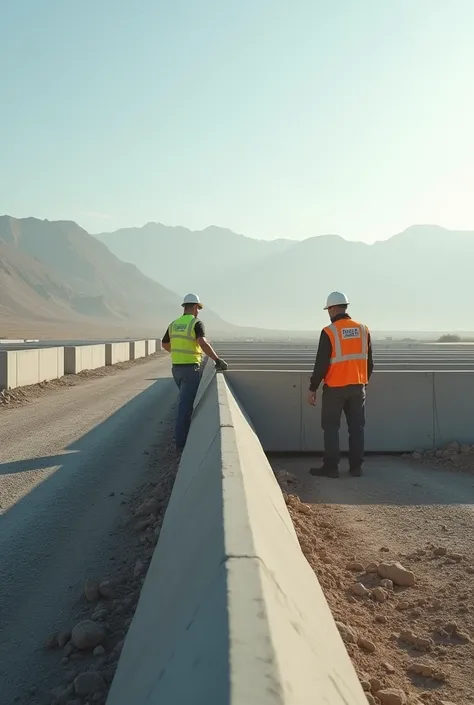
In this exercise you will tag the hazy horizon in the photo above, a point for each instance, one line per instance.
(273, 120)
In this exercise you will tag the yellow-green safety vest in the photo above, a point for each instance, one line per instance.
(185, 349)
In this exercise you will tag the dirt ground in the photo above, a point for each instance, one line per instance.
(409, 644)
(12, 398)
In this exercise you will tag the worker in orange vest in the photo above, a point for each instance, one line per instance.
(344, 362)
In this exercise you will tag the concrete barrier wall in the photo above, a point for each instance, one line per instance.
(137, 349)
(116, 352)
(150, 347)
(20, 368)
(83, 357)
(230, 612)
(405, 410)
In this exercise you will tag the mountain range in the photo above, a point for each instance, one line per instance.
(57, 272)
(419, 279)
(54, 272)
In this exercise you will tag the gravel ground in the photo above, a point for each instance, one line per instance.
(71, 464)
(411, 643)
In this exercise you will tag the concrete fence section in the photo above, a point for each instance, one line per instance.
(150, 347)
(116, 352)
(138, 349)
(20, 368)
(230, 613)
(405, 410)
(83, 357)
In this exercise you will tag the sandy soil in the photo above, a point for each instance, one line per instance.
(415, 639)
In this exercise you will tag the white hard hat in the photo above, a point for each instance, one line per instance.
(336, 298)
(192, 299)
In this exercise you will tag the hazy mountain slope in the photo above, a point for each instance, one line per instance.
(157, 249)
(56, 270)
(418, 279)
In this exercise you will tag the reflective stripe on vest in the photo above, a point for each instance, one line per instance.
(347, 368)
(185, 349)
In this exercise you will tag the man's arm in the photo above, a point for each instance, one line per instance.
(322, 362)
(166, 341)
(370, 359)
(206, 347)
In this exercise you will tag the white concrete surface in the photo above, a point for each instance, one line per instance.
(150, 347)
(405, 410)
(83, 357)
(20, 368)
(116, 352)
(138, 349)
(231, 612)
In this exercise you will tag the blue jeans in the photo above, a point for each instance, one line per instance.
(187, 378)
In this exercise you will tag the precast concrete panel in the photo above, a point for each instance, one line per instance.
(137, 349)
(50, 363)
(399, 411)
(20, 368)
(83, 357)
(453, 411)
(150, 347)
(116, 352)
(272, 401)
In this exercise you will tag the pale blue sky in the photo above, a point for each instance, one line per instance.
(271, 117)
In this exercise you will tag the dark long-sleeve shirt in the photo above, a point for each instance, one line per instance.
(323, 357)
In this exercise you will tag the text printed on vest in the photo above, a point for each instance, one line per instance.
(350, 333)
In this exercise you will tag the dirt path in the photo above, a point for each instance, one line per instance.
(419, 639)
(69, 463)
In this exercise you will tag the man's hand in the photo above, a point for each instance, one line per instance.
(221, 365)
(312, 398)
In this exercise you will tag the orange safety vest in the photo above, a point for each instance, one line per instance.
(350, 352)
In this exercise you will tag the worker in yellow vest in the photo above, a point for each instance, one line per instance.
(344, 363)
(185, 339)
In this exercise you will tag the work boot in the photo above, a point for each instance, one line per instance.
(324, 471)
(356, 471)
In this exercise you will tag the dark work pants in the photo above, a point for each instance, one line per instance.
(187, 378)
(351, 401)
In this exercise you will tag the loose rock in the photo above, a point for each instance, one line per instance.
(63, 639)
(355, 567)
(88, 683)
(367, 645)
(420, 669)
(360, 590)
(106, 589)
(395, 572)
(348, 634)
(372, 568)
(380, 594)
(87, 635)
(387, 584)
(392, 696)
(91, 590)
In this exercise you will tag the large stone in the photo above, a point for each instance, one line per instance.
(360, 590)
(91, 590)
(395, 572)
(88, 683)
(348, 634)
(392, 696)
(88, 635)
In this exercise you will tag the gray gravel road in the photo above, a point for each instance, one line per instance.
(67, 461)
